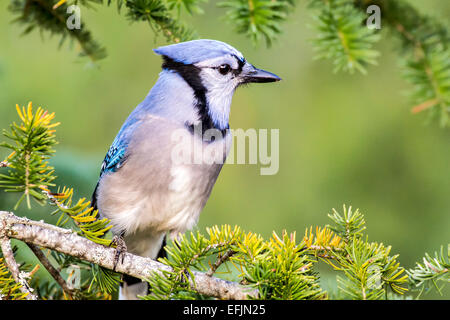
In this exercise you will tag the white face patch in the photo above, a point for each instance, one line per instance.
(220, 87)
(220, 90)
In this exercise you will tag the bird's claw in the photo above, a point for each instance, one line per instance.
(121, 249)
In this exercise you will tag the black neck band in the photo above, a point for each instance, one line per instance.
(191, 74)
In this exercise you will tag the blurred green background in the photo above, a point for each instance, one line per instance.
(343, 138)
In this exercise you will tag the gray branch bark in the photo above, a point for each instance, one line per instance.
(68, 242)
(13, 267)
(71, 292)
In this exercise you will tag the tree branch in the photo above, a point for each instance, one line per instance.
(11, 263)
(53, 272)
(221, 259)
(67, 242)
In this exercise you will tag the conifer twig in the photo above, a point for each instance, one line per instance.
(58, 239)
(221, 259)
(11, 263)
(52, 270)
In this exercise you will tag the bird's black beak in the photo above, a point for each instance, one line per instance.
(251, 74)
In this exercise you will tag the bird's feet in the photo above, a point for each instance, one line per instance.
(121, 249)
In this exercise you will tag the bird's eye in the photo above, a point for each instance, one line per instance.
(224, 69)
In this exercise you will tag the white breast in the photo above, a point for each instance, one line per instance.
(152, 194)
(191, 184)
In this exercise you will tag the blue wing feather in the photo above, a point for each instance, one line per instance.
(118, 152)
(114, 159)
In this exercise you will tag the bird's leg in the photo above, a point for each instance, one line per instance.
(121, 248)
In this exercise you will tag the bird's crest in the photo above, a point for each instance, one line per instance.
(195, 51)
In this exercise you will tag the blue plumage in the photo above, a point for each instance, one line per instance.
(116, 155)
(195, 51)
(114, 158)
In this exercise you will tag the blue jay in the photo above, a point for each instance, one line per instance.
(142, 190)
